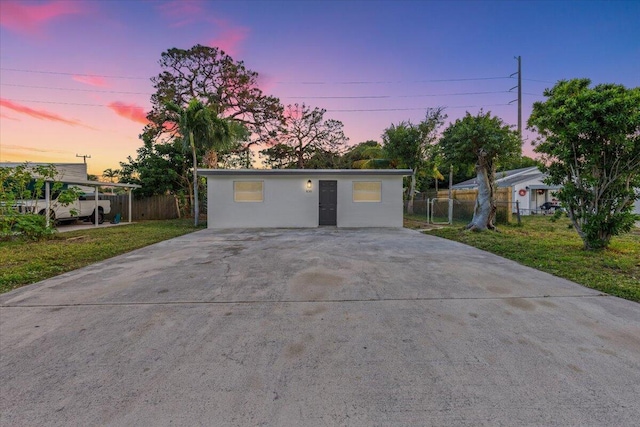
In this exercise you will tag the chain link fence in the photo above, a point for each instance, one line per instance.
(448, 211)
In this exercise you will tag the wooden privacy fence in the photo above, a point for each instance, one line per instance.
(154, 207)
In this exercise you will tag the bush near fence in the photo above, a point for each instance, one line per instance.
(148, 208)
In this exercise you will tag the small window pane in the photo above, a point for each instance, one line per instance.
(367, 191)
(247, 191)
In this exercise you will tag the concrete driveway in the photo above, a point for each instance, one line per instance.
(322, 327)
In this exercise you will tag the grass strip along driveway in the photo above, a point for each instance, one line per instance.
(554, 247)
(22, 263)
(549, 246)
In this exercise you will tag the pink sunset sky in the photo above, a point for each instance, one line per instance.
(75, 75)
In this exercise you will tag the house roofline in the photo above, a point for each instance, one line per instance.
(303, 172)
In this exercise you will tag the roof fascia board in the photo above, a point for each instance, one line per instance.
(303, 172)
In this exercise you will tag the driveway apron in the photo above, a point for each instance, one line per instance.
(316, 327)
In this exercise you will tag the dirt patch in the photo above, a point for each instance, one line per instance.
(294, 350)
(419, 225)
(521, 303)
(314, 284)
(315, 310)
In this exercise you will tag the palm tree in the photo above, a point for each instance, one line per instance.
(201, 130)
(373, 157)
(111, 174)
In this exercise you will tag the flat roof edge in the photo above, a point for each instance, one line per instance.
(303, 172)
(88, 183)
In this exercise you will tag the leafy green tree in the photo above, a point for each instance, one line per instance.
(22, 190)
(199, 129)
(519, 162)
(223, 85)
(158, 169)
(482, 140)
(590, 142)
(304, 134)
(411, 145)
(367, 155)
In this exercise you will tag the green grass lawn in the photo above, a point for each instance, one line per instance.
(22, 263)
(554, 247)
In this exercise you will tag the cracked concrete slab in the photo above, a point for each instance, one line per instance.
(316, 327)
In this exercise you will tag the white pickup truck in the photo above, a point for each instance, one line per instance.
(84, 208)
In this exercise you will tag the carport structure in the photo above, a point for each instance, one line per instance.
(87, 183)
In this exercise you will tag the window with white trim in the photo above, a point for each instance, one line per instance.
(248, 191)
(367, 191)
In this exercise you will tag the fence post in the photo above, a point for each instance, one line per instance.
(518, 212)
(427, 209)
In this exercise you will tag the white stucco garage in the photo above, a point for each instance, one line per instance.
(304, 197)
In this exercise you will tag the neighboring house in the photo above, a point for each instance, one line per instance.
(249, 198)
(525, 185)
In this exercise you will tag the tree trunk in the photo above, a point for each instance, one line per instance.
(412, 191)
(485, 209)
(196, 208)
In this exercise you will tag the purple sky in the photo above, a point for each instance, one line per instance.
(74, 76)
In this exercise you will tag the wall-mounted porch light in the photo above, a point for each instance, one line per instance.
(309, 186)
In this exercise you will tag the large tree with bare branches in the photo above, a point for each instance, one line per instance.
(224, 86)
(304, 136)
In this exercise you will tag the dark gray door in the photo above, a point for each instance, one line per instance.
(328, 202)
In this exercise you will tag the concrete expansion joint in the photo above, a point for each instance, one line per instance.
(320, 301)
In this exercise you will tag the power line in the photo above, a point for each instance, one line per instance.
(72, 74)
(454, 94)
(333, 111)
(76, 90)
(391, 81)
(56, 102)
(412, 109)
(539, 81)
(355, 82)
(284, 97)
(395, 96)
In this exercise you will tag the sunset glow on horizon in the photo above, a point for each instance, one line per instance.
(75, 76)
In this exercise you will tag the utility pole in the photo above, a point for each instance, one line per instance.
(519, 86)
(84, 157)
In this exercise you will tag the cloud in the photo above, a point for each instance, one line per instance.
(229, 38)
(129, 111)
(31, 149)
(4, 116)
(29, 18)
(38, 114)
(91, 80)
(266, 82)
(181, 12)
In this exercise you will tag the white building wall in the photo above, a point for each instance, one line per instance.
(386, 213)
(531, 200)
(287, 203)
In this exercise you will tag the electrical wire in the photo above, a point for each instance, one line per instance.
(284, 97)
(329, 111)
(356, 82)
(72, 74)
(76, 90)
